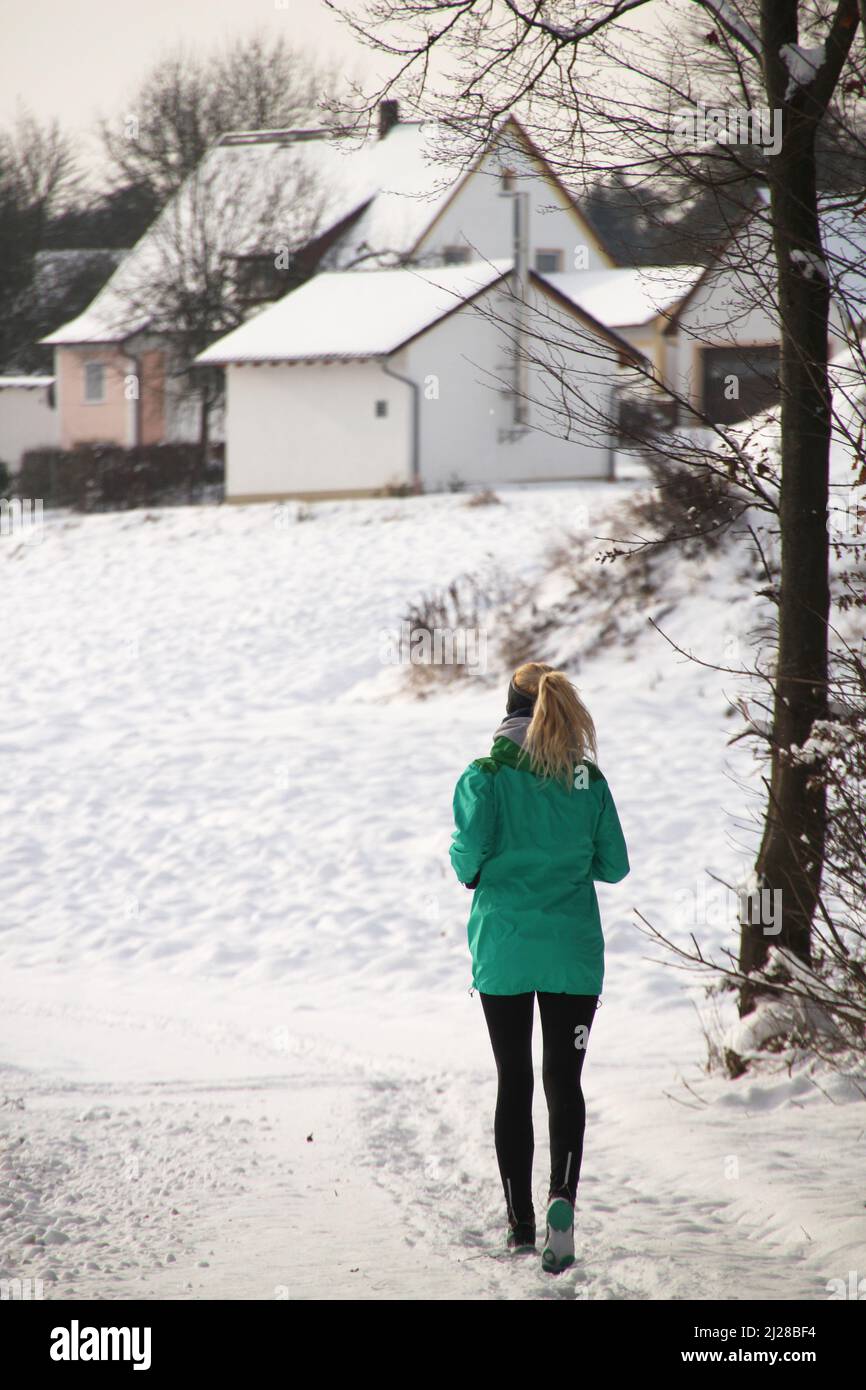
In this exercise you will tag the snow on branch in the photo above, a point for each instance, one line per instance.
(802, 64)
(570, 33)
(810, 264)
(733, 23)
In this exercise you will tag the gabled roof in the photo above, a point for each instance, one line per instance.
(388, 192)
(350, 314)
(601, 330)
(387, 183)
(510, 136)
(843, 234)
(624, 297)
(346, 315)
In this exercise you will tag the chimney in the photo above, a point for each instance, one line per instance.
(389, 116)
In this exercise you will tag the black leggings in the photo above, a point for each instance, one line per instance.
(565, 1023)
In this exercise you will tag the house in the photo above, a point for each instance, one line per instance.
(422, 320)
(365, 379)
(28, 417)
(394, 202)
(721, 340)
(411, 360)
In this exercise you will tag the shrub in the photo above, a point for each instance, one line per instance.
(689, 502)
(108, 477)
(401, 489)
(451, 622)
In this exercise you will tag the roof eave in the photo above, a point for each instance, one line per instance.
(615, 339)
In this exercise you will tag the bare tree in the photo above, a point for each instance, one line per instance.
(185, 284)
(600, 90)
(190, 98)
(39, 179)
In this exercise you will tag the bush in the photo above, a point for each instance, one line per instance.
(447, 629)
(485, 498)
(107, 477)
(689, 502)
(400, 489)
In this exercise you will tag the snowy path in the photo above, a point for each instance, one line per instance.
(201, 1180)
(228, 924)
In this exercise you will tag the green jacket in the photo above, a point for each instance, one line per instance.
(534, 922)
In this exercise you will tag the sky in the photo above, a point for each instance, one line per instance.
(78, 59)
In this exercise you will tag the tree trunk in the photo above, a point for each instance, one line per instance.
(790, 860)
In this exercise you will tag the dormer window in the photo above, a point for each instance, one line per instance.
(456, 255)
(258, 278)
(548, 262)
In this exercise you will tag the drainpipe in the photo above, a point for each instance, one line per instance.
(135, 359)
(416, 422)
(613, 429)
(520, 254)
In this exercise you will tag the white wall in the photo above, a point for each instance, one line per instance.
(478, 214)
(309, 429)
(27, 421)
(298, 429)
(466, 357)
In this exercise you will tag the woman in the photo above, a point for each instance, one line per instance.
(536, 824)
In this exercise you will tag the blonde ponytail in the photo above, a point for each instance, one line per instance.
(561, 731)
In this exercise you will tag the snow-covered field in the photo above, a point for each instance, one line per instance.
(239, 1054)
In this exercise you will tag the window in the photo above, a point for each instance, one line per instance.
(259, 279)
(548, 262)
(456, 255)
(739, 382)
(507, 180)
(381, 408)
(94, 382)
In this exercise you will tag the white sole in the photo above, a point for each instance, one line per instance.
(558, 1252)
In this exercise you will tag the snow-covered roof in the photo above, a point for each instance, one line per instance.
(109, 317)
(395, 186)
(843, 235)
(25, 383)
(626, 297)
(346, 314)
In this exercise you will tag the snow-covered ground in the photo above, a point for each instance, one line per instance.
(239, 1054)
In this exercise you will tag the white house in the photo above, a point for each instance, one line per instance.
(398, 201)
(28, 417)
(390, 347)
(366, 379)
(724, 331)
(419, 375)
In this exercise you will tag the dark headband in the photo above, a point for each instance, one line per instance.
(518, 700)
